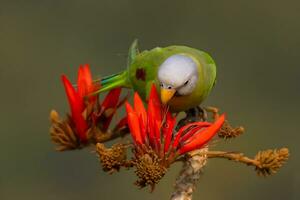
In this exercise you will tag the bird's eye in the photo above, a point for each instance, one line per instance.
(160, 84)
(169, 87)
(186, 82)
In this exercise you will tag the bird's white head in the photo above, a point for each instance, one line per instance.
(178, 75)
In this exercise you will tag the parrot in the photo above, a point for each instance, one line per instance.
(183, 76)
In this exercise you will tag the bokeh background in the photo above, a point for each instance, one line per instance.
(256, 46)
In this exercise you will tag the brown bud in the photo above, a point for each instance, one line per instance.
(54, 117)
(149, 169)
(269, 161)
(62, 134)
(112, 159)
(228, 132)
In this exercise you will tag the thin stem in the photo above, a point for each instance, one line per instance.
(239, 157)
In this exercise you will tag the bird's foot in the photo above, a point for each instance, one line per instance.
(193, 115)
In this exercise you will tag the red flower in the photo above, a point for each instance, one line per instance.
(86, 111)
(76, 98)
(108, 108)
(85, 84)
(154, 128)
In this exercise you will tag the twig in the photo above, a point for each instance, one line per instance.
(266, 162)
(239, 157)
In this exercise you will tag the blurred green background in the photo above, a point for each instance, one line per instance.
(256, 46)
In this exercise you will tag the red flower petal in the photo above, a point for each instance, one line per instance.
(190, 133)
(84, 80)
(85, 83)
(110, 102)
(179, 134)
(153, 96)
(154, 117)
(128, 107)
(157, 133)
(168, 130)
(122, 123)
(111, 99)
(198, 140)
(153, 134)
(142, 114)
(77, 107)
(88, 75)
(81, 87)
(143, 129)
(133, 123)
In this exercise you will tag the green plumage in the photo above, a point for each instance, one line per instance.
(143, 67)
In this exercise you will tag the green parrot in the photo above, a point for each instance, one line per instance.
(184, 76)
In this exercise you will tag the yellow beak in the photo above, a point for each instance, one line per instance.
(166, 95)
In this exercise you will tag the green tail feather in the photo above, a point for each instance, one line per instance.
(114, 81)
